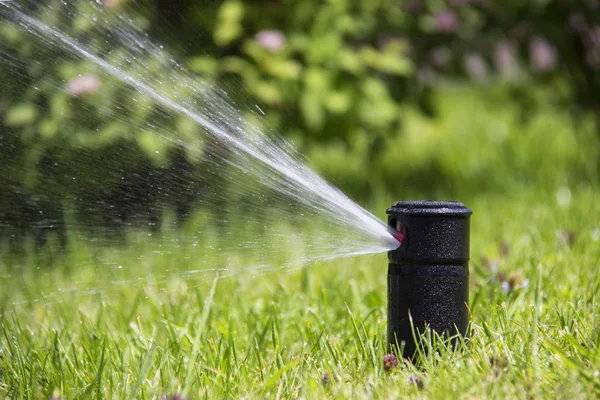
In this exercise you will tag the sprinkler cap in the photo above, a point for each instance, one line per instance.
(431, 231)
(428, 207)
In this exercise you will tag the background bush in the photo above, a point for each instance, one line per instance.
(350, 83)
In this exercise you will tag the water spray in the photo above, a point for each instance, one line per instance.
(250, 178)
(428, 275)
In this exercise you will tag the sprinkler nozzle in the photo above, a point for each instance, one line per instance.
(428, 275)
(399, 236)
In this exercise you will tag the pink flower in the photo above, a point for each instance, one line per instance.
(389, 361)
(272, 40)
(594, 36)
(577, 22)
(440, 56)
(505, 59)
(110, 3)
(84, 84)
(446, 21)
(542, 54)
(475, 67)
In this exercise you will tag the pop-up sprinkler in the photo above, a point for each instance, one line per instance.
(428, 275)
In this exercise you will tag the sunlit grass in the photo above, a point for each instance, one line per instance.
(278, 334)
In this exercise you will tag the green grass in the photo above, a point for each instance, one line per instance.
(276, 335)
(141, 318)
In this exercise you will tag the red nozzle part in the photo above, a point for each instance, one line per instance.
(399, 236)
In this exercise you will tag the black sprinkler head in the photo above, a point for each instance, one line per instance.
(428, 275)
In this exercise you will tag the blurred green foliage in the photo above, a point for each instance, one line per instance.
(348, 82)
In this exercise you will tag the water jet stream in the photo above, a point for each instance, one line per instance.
(241, 152)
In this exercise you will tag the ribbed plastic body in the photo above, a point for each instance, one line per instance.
(428, 275)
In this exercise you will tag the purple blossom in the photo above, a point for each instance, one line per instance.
(577, 22)
(272, 39)
(389, 361)
(542, 54)
(475, 67)
(594, 36)
(110, 3)
(591, 39)
(446, 21)
(440, 56)
(84, 84)
(325, 378)
(416, 381)
(505, 59)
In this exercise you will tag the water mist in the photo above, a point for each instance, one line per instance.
(264, 202)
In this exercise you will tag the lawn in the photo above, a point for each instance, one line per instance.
(174, 314)
(148, 317)
(319, 330)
